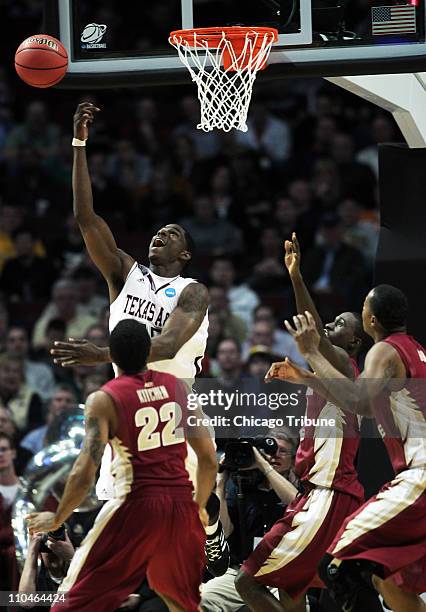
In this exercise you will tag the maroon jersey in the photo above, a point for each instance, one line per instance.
(401, 415)
(149, 447)
(326, 453)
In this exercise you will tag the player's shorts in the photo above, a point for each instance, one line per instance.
(158, 535)
(390, 529)
(288, 555)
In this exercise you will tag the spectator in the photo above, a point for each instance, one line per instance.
(160, 203)
(7, 426)
(63, 306)
(259, 361)
(222, 196)
(269, 275)
(326, 182)
(282, 342)
(26, 277)
(10, 219)
(336, 272)
(23, 402)
(232, 325)
(89, 301)
(264, 332)
(206, 144)
(363, 235)
(383, 130)
(212, 236)
(300, 193)
(128, 169)
(357, 179)
(69, 250)
(36, 132)
(266, 134)
(39, 376)
(92, 384)
(9, 486)
(98, 334)
(247, 512)
(148, 127)
(229, 362)
(63, 399)
(242, 299)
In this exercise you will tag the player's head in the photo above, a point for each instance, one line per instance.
(172, 243)
(346, 331)
(385, 311)
(129, 346)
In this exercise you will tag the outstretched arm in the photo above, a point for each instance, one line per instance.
(99, 419)
(113, 263)
(381, 365)
(334, 354)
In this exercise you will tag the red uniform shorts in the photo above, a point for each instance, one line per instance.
(390, 529)
(158, 535)
(288, 555)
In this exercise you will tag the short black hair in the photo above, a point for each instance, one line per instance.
(129, 345)
(390, 306)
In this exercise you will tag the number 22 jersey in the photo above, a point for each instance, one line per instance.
(149, 446)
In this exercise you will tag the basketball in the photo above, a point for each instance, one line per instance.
(41, 61)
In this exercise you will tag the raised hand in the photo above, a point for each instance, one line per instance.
(287, 370)
(78, 352)
(84, 115)
(292, 255)
(304, 332)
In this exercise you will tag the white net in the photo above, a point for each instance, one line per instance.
(224, 92)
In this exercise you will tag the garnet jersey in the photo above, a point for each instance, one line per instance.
(401, 415)
(149, 447)
(326, 454)
(150, 299)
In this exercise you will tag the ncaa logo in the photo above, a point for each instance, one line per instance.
(170, 292)
(93, 33)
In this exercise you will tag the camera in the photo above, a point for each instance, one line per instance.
(239, 455)
(58, 534)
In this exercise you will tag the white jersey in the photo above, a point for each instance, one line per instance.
(151, 299)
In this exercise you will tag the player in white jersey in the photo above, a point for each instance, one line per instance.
(173, 308)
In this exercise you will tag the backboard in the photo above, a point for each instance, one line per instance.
(125, 42)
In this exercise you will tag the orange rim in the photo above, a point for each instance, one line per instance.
(213, 36)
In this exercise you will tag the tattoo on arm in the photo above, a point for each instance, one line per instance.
(93, 445)
(194, 298)
(389, 371)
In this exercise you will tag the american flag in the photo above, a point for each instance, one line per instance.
(393, 19)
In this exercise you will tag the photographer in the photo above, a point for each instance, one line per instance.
(251, 500)
(47, 562)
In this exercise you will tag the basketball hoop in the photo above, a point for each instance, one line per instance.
(224, 63)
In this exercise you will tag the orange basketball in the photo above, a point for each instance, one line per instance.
(41, 60)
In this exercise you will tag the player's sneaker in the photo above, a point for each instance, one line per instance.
(217, 553)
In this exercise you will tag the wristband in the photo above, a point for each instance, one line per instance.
(76, 142)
